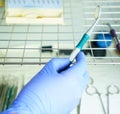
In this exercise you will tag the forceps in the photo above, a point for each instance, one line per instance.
(92, 90)
(111, 90)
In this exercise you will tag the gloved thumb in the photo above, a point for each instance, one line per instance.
(60, 64)
(79, 66)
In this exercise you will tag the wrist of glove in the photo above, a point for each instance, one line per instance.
(54, 92)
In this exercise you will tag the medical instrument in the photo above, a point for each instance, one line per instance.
(115, 37)
(111, 90)
(92, 90)
(86, 36)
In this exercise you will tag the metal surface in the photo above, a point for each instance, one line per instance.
(22, 44)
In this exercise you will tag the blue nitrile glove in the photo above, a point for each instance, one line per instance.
(50, 92)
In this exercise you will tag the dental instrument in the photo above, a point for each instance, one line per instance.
(115, 37)
(86, 36)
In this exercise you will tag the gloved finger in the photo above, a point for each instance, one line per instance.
(79, 67)
(59, 64)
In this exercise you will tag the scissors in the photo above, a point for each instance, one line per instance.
(111, 90)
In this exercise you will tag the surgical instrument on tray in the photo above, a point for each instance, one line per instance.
(115, 37)
(92, 90)
(86, 36)
(111, 90)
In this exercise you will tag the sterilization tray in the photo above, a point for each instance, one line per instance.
(22, 44)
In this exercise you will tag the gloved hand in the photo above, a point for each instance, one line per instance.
(51, 92)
